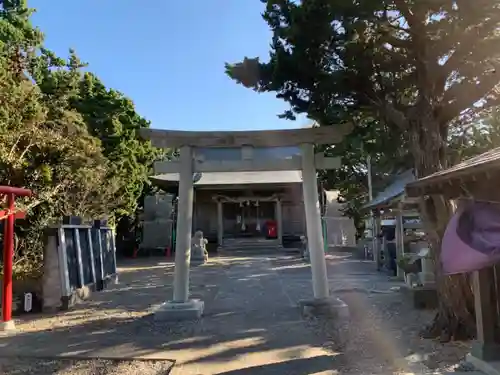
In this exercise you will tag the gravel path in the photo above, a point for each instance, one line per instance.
(83, 367)
(384, 328)
(383, 338)
(251, 325)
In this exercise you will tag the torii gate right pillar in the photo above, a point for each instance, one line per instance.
(313, 224)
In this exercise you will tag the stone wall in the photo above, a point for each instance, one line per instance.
(341, 230)
(53, 289)
(157, 223)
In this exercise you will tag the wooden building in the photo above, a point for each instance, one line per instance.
(234, 207)
(247, 201)
(477, 179)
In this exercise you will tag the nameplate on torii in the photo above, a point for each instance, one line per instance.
(248, 165)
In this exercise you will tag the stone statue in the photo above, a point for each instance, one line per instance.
(305, 248)
(199, 253)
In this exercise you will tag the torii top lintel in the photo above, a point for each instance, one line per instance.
(256, 138)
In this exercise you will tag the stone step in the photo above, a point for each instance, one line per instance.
(248, 250)
(250, 239)
(251, 245)
(249, 242)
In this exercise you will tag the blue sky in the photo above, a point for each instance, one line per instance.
(168, 56)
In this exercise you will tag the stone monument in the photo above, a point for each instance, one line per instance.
(305, 248)
(157, 222)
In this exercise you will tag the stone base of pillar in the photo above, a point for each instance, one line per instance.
(7, 327)
(329, 307)
(335, 313)
(423, 297)
(176, 311)
(489, 367)
(485, 351)
(198, 261)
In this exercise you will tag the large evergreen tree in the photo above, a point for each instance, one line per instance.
(418, 66)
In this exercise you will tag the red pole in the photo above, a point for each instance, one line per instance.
(20, 192)
(8, 255)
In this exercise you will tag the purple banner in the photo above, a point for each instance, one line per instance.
(472, 238)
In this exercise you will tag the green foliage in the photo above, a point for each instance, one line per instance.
(16, 29)
(49, 152)
(62, 134)
(407, 73)
(112, 118)
(419, 74)
(408, 264)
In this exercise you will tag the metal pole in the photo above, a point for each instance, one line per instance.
(372, 219)
(220, 223)
(8, 255)
(369, 168)
(279, 220)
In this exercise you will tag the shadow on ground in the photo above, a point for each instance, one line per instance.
(302, 366)
(251, 323)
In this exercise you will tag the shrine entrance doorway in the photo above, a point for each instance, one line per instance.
(247, 219)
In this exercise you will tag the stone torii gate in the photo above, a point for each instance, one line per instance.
(181, 307)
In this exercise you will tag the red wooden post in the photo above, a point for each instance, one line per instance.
(8, 253)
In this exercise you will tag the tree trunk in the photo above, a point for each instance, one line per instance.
(455, 317)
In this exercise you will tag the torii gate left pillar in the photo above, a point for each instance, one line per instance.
(313, 224)
(181, 307)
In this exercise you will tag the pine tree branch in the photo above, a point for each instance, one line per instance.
(467, 42)
(395, 116)
(389, 111)
(463, 95)
(405, 10)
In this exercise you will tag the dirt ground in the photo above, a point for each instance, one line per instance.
(251, 325)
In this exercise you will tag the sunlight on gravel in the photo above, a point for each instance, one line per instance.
(76, 318)
(383, 337)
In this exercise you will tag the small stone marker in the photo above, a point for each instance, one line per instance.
(28, 302)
